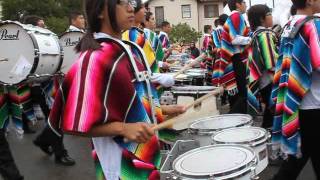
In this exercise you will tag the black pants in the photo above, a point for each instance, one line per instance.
(238, 102)
(47, 136)
(309, 130)
(267, 115)
(8, 168)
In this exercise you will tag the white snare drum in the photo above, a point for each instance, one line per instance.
(216, 162)
(254, 137)
(69, 41)
(203, 129)
(27, 50)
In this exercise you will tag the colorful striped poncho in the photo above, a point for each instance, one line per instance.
(14, 101)
(137, 36)
(224, 73)
(164, 38)
(207, 42)
(217, 73)
(217, 36)
(298, 57)
(262, 55)
(93, 94)
(155, 43)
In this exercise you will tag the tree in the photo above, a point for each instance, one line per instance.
(184, 34)
(54, 12)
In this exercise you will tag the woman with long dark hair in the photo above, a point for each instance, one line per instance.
(104, 97)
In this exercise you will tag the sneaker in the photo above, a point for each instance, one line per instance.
(65, 159)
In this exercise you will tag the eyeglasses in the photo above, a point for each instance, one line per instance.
(132, 3)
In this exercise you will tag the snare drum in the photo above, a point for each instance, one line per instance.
(27, 50)
(216, 162)
(69, 41)
(203, 129)
(254, 137)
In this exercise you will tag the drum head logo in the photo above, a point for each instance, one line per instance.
(69, 42)
(5, 35)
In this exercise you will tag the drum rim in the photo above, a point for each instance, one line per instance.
(245, 168)
(67, 32)
(253, 143)
(187, 88)
(194, 130)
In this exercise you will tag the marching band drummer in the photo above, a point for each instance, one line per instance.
(43, 94)
(164, 38)
(77, 22)
(101, 97)
(262, 57)
(136, 34)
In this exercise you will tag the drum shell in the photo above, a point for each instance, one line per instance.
(246, 172)
(258, 145)
(204, 135)
(32, 53)
(68, 42)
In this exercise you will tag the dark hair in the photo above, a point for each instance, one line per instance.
(206, 28)
(93, 9)
(222, 19)
(293, 10)
(299, 4)
(74, 15)
(148, 15)
(257, 13)
(216, 22)
(32, 19)
(139, 6)
(232, 4)
(164, 24)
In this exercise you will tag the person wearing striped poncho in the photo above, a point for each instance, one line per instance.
(261, 62)
(296, 92)
(232, 68)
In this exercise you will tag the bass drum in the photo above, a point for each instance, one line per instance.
(68, 42)
(27, 53)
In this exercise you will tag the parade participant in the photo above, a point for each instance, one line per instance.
(232, 64)
(164, 38)
(102, 97)
(136, 34)
(261, 61)
(149, 26)
(296, 92)
(8, 168)
(43, 94)
(207, 38)
(76, 21)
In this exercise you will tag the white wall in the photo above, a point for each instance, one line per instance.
(173, 13)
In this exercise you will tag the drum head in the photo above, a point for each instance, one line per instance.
(213, 161)
(197, 71)
(220, 122)
(241, 135)
(68, 41)
(17, 53)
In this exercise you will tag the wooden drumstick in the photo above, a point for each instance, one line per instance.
(174, 120)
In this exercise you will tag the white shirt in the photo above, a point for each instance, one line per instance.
(73, 28)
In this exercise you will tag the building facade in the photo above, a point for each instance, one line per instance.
(196, 13)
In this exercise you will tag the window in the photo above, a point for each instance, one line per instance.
(159, 15)
(211, 10)
(186, 11)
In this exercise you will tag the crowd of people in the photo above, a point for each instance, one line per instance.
(111, 93)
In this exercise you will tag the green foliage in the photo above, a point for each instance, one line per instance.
(184, 34)
(54, 12)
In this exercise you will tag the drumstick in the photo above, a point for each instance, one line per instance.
(174, 120)
(198, 59)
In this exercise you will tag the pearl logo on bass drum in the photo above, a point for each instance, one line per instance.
(5, 36)
(69, 43)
